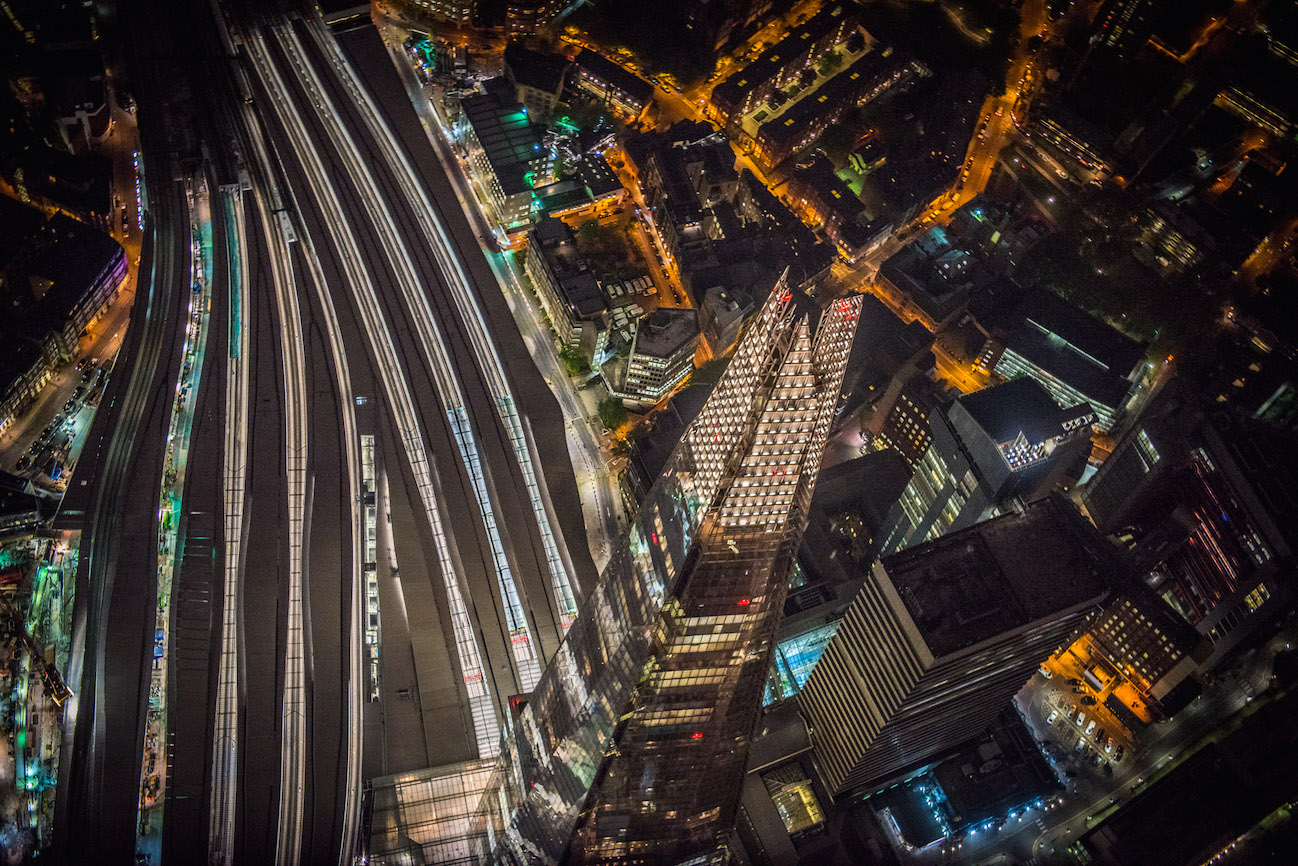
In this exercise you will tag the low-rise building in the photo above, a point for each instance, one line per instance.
(796, 127)
(935, 274)
(823, 199)
(782, 62)
(571, 296)
(623, 91)
(506, 151)
(721, 317)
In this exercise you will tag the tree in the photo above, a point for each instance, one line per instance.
(612, 413)
(573, 360)
(830, 64)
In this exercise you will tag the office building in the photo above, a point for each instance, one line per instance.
(634, 744)
(1077, 357)
(988, 449)
(1202, 496)
(662, 354)
(569, 293)
(942, 636)
(1139, 638)
(505, 150)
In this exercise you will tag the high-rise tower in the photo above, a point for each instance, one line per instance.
(633, 745)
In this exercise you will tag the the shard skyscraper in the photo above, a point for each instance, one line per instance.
(633, 745)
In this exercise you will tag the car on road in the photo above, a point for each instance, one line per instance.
(81, 365)
(79, 392)
(23, 462)
(67, 407)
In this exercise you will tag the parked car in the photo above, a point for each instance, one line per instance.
(1050, 719)
(1088, 700)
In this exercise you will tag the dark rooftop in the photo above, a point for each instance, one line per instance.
(510, 140)
(534, 68)
(846, 85)
(1018, 406)
(600, 67)
(770, 62)
(580, 289)
(664, 331)
(969, 586)
(20, 222)
(1079, 349)
(598, 175)
(830, 189)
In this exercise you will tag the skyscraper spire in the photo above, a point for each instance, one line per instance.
(634, 743)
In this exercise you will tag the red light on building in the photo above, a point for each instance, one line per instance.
(744, 602)
(697, 735)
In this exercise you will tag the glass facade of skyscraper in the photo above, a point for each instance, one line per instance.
(633, 744)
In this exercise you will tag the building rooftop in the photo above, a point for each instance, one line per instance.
(1000, 575)
(534, 68)
(1018, 406)
(1077, 348)
(508, 137)
(20, 222)
(598, 175)
(794, 122)
(67, 258)
(830, 189)
(635, 87)
(666, 331)
(770, 62)
(578, 285)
